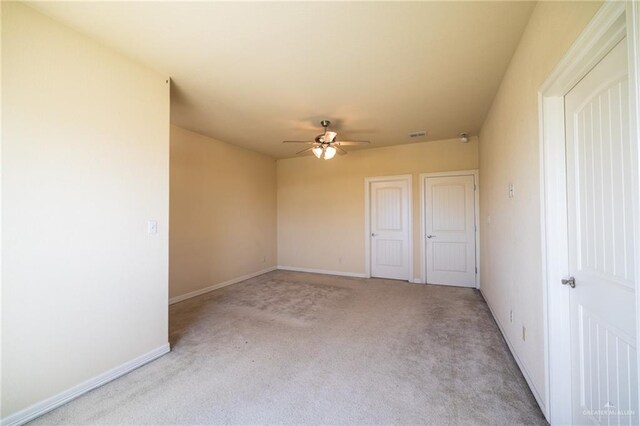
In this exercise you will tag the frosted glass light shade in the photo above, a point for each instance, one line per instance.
(329, 152)
(317, 151)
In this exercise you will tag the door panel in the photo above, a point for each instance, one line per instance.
(600, 197)
(388, 207)
(450, 256)
(450, 230)
(390, 229)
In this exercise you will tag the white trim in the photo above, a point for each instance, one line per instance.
(604, 31)
(521, 365)
(367, 220)
(322, 271)
(219, 285)
(633, 43)
(43, 407)
(595, 41)
(423, 244)
(452, 173)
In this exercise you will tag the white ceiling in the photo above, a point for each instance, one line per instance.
(254, 74)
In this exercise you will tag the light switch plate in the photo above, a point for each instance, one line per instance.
(152, 227)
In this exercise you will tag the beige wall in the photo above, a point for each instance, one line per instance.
(85, 165)
(511, 269)
(321, 203)
(223, 212)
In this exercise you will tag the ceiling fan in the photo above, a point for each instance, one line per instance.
(326, 145)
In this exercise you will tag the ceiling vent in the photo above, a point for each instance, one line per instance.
(418, 134)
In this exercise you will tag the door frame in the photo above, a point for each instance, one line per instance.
(613, 21)
(367, 219)
(423, 218)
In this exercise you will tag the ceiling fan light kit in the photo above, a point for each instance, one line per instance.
(326, 145)
(326, 153)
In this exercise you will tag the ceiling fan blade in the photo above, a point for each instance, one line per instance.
(305, 150)
(348, 143)
(340, 150)
(298, 142)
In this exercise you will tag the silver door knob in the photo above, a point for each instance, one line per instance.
(430, 236)
(571, 282)
(373, 234)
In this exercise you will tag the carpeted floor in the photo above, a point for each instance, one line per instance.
(290, 347)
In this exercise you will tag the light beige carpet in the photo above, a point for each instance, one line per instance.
(291, 347)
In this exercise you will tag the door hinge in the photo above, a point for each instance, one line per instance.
(476, 269)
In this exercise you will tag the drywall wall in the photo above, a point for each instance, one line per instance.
(223, 212)
(85, 165)
(321, 203)
(511, 265)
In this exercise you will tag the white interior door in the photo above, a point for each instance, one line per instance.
(389, 217)
(450, 230)
(600, 198)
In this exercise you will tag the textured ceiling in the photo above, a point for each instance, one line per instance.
(254, 74)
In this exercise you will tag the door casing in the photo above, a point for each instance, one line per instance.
(611, 23)
(367, 219)
(423, 218)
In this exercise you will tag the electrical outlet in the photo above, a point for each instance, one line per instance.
(511, 315)
(511, 190)
(264, 259)
(340, 260)
(524, 334)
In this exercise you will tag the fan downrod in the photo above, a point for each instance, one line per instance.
(325, 123)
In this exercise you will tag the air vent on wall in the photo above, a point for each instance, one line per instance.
(418, 134)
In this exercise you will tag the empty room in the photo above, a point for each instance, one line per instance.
(322, 213)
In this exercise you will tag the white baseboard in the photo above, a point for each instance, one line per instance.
(417, 281)
(43, 407)
(217, 286)
(525, 372)
(322, 271)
